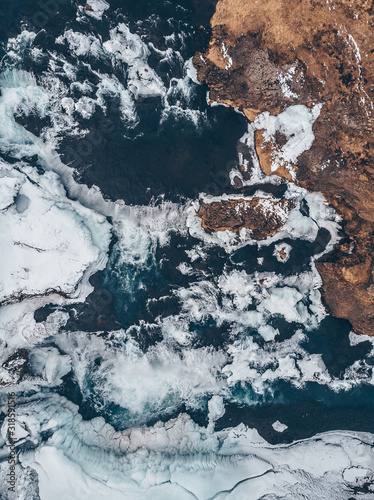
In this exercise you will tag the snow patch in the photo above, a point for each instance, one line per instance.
(226, 57)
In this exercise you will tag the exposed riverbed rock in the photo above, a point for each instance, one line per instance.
(13, 368)
(267, 55)
(262, 216)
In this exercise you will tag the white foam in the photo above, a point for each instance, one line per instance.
(123, 49)
(143, 383)
(85, 107)
(48, 363)
(178, 99)
(16, 47)
(81, 44)
(185, 268)
(127, 47)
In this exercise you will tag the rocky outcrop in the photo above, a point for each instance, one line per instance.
(13, 368)
(262, 216)
(267, 55)
(266, 151)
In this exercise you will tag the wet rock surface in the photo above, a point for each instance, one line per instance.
(269, 55)
(13, 368)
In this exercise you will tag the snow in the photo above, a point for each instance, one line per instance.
(368, 110)
(285, 79)
(296, 123)
(226, 57)
(48, 245)
(191, 71)
(9, 188)
(287, 360)
(179, 459)
(267, 332)
(358, 476)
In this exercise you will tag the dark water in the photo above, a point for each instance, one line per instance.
(308, 412)
(178, 159)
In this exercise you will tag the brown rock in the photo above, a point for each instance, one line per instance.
(346, 299)
(262, 216)
(278, 53)
(282, 254)
(266, 151)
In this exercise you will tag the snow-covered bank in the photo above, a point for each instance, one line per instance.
(90, 460)
(49, 244)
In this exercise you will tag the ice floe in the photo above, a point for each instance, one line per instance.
(96, 8)
(279, 427)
